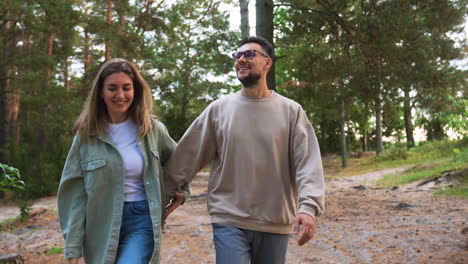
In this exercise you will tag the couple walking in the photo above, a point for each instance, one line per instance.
(124, 174)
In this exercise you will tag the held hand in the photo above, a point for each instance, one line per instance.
(74, 261)
(176, 202)
(304, 225)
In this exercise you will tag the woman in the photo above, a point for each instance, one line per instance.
(111, 195)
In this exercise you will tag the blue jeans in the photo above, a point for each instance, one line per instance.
(241, 246)
(136, 242)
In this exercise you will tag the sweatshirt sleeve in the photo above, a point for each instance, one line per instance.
(167, 146)
(308, 163)
(71, 203)
(194, 150)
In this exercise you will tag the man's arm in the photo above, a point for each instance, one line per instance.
(309, 178)
(194, 150)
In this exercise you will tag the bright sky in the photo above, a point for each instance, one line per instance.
(234, 13)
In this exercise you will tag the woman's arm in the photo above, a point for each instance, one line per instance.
(71, 203)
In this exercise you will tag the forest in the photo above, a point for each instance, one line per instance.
(370, 74)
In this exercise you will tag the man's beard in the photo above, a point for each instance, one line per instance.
(250, 80)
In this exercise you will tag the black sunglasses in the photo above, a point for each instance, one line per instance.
(248, 54)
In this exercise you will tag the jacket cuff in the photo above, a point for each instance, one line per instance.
(72, 252)
(185, 190)
(309, 210)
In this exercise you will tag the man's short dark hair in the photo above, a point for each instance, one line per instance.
(266, 45)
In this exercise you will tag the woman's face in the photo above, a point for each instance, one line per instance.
(117, 93)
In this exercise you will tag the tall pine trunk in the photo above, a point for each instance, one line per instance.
(407, 117)
(244, 14)
(378, 124)
(265, 29)
(6, 89)
(344, 152)
(87, 78)
(107, 54)
(365, 146)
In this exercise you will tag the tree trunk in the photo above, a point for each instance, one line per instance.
(265, 29)
(12, 115)
(435, 130)
(123, 49)
(50, 47)
(244, 13)
(322, 136)
(86, 63)
(5, 90)
(378, 124)
(11, 259)
(407, 117)
(365, 146)
(344, 154)
(107, 54)
(66, 75)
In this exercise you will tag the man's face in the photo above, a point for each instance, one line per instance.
(248, 71)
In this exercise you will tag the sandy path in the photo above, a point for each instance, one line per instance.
(361, 225)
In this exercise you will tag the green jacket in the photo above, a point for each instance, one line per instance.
(91, 194)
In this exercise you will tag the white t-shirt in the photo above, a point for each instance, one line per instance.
(124, 137)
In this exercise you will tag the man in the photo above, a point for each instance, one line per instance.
(265, 165)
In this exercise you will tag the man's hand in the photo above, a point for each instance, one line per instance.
(176, 202)
(304, 225)
(74, 261)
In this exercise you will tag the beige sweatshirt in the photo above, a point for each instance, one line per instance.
(265, 166)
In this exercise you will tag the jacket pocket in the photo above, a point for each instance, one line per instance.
(92, 170)
(93, 165)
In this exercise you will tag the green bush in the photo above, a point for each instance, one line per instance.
(10, 179)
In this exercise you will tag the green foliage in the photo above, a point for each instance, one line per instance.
(25, 207)
(367, 52)
(53, 251)
(327, 53)
(57, 48)
(10, 179)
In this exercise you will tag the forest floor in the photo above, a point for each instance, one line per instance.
(362, 224)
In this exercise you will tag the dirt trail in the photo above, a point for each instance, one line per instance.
(361, 225)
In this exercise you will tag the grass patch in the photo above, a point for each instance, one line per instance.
(441, 160)
(426, 161)
(54, 251)
(454, 191)
(7, 222)
(420, 172)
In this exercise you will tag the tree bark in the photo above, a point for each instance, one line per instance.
(378, 124)
(86, 62)
(11, 259)
(435, 130)
(244, 14)
(5, 90)
(407, 117)
(66, 75)
(50, 48)
(365, 146)
(264, 13)
(107, 54)
(344, 153)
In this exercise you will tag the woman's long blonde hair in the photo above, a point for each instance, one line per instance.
(94, 116)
